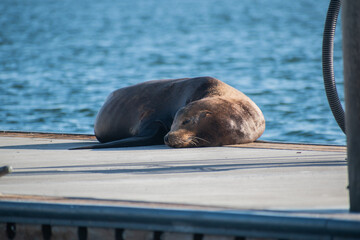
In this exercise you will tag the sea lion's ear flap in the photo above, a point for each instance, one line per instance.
(205, 114)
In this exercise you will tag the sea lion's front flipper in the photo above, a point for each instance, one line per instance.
(153, 136)
(126, 142)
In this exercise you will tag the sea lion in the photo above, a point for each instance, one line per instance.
(187, 112)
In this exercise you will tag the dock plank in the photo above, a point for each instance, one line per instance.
(256, 144)
(245, 177)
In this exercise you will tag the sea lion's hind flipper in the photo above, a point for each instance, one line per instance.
(155, 136)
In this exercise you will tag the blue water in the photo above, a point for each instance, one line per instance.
(60, 59)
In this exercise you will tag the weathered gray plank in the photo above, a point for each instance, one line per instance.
(224, 176)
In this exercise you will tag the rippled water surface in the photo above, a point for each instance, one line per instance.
(60, 59)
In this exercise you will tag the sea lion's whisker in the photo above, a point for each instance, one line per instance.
(194, 143)
(199, 138)
(194, 140)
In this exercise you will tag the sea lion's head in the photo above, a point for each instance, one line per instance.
(210, 122)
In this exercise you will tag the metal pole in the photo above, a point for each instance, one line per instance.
(351, 52)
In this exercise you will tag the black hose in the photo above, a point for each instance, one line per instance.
(327, 63)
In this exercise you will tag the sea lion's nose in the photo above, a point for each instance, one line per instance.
(166, 139)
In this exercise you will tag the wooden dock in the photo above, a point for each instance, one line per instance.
(257, 190)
